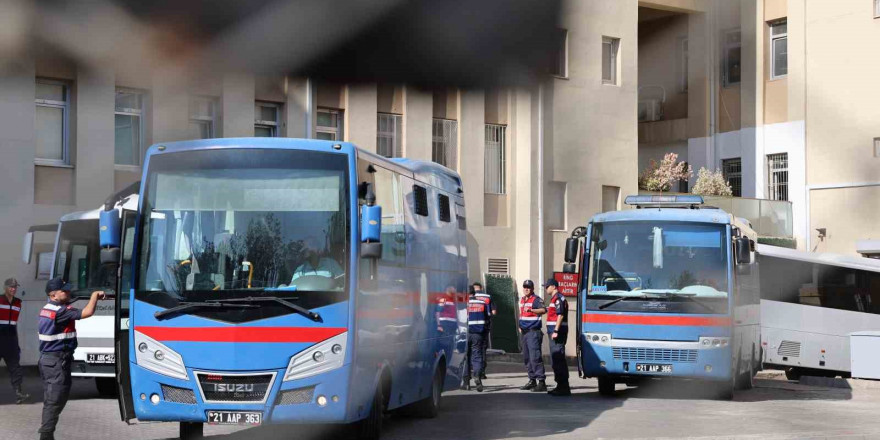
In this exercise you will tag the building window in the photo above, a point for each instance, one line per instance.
(778, 49)
(388, 134)
(683, 183)
(560, 57)
(496, 164)
(444, 142)
(683, 78)
(329, 125)
(732, 171)
(555, 207)
(732, 58)
(266, 119)
(610, 49)
(129, 134)
(202, 117)
(777, 171)
(877, 143)
(52, 100)
(876, 8)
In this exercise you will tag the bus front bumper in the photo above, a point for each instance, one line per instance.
(648, 358)
(296, 401)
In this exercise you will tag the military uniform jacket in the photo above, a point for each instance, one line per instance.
(57, 327)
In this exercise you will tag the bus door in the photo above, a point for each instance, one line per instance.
(121, 324)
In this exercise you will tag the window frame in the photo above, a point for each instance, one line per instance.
(728, 46)
(338, 131)
(450, 149)
(210, 120)
(420, 199)
(614, 62)
(773, 38)
(725, 163)
(500, 187)
(273, 126)
(560, 67)
(876, 8)
(394, 135)
(126, 111)
(684, 59)
(776, 188)
(64, 106)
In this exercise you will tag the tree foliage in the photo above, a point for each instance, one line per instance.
(660, 176)
(711, 183)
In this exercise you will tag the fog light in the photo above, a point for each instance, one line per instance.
(155, 399)
(716, 342)
(595, 338)
(708, 368)
(602, 364)
(322, 400)
(159, 355)
(142, 347)
(335, 399)
(318, 356)
(604, 338)
(143, 396)
(724, 342)
(706, 342)
(336, 349)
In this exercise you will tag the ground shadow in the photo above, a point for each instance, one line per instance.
(764, 390)
(82, 387)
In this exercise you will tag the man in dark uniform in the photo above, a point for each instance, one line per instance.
(478, 333)
(57, 330)
(10, 352)
(557, 328)
(530, 310)
(481, 294)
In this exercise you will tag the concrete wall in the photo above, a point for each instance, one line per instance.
(660, 62)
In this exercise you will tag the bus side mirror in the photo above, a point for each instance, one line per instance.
(371, 227)
(27, 248)
(743, 250)
(571, 249)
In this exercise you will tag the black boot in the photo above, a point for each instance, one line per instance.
(540, 388)
(530, 385)
(47, 436)
(20, 396)
(466, 385)
(479, 385)
(483, 376)
(560, 390)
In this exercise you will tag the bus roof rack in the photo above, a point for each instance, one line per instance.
(671, 201)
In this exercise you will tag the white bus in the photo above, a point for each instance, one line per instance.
(810, 304)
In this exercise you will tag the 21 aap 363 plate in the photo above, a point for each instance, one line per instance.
(235, 418)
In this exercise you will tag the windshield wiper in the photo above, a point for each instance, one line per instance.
(615, 301)
(691, 299)
(183, 306)
(314, 316)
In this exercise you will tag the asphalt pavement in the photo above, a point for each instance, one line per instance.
(775, 409)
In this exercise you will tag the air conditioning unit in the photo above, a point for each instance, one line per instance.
(650, 110)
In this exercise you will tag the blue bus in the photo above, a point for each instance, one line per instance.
(288, 281)
(669, 289)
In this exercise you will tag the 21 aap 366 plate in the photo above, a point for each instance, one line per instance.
(654, 368)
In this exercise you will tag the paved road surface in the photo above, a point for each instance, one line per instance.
(775, 409)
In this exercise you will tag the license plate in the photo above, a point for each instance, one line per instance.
(654, 368)
(100, 358)
(235, 418)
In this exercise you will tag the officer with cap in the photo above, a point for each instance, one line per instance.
(10, 352)
(57, 328)
(557, 328)
(479, 312)
(530, 310)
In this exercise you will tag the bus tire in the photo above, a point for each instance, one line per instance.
(191, 430)
(606, 385)
(793, 373)
(370, 428)
(429, 407)
(106, 386)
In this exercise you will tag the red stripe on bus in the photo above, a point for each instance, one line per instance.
(241, 334)
(656, 320)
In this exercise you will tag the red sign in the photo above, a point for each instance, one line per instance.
(568, 283)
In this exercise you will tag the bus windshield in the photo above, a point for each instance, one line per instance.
(660, 263)
(224, 224)
(77, 259)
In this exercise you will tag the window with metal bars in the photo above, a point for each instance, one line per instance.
(420, 195)
(388, 134)
(443, 208)
(444, 142)
(777, 173)
(732, 171)
(495, 166)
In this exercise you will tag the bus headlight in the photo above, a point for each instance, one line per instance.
(158, 358)
(325, 356)
(714, 342)
(598, 338)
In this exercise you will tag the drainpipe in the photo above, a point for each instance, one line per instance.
(541, 186)
(713, 87)
(310, 95)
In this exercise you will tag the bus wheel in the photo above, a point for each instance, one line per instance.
(106, 386)
(606, 386)
(429, 407)
(191, 430)
(371, 427)
(793, 373)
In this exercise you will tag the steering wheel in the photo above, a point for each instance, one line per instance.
(314, 282)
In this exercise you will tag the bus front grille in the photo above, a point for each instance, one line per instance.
(178, 395)
(296, 397)
(789, 349)
(241, 388)
(655, 354)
